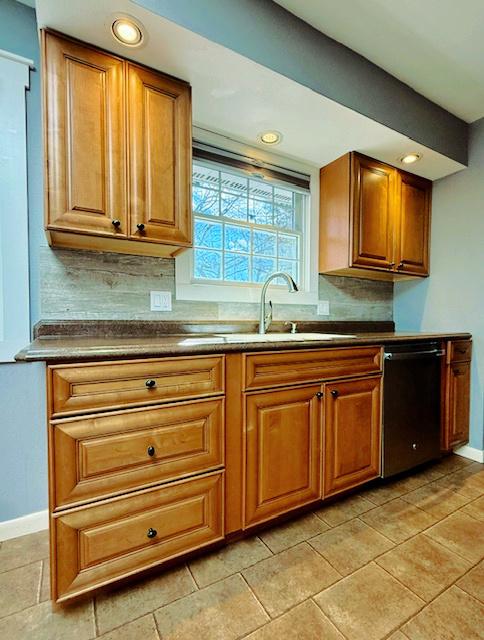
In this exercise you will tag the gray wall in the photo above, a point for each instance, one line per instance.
(453, 297)
(23, 481)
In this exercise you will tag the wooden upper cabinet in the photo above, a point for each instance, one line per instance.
(352, 433)
(159, 123)
(84, 122)
(373, 205)
(374, 220)
(412, 250)
(283, 451)
(118, 152)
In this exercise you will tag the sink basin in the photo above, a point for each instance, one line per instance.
(279, 337)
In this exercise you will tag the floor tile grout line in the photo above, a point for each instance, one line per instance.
(189, 569)
(22, 566)
(265, 545)
(471, 595)
(157, 629)
(41, 579)
(255, 596)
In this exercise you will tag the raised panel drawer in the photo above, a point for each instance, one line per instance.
(105, 454)
(114, 385)
(98, 544)
(293, 367)
(460, 351)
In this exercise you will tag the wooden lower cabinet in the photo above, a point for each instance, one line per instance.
(351, 433)
(101, 543)
(458, 382)
(283, 450)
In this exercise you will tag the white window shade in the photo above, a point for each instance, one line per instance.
(14, 259)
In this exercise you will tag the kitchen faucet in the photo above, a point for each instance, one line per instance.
(265, 319)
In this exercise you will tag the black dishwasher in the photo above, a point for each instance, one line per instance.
(411, 406)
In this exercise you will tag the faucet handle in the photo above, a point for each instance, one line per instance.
(293, 326)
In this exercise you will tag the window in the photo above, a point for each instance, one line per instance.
(250, 218)
(245, 227)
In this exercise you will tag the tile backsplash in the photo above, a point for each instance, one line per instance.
(85, 285)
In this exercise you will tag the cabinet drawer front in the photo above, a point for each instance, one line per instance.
(277, 369)
(99, 544)
(107, 454)
(460, 351)
(112, 385)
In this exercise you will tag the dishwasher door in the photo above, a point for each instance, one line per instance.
(411, 406)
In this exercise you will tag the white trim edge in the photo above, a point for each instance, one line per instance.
(469, 452)
(16, 58)
(30, 523)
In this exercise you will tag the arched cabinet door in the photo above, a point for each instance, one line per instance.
(159, 117)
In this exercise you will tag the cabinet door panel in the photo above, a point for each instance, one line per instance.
(85, 138)
(373, 211)
(352, 433)
(159, 115)
(283, 451)
(459, 381)
(414, 222)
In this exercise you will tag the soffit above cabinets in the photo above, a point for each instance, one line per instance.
(436, 46)
(237, 97)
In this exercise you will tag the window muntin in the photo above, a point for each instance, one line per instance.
(245, 227)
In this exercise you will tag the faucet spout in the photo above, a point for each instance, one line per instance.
(266, 319)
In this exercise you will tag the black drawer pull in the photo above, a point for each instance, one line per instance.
(319, 394)
(152, 533)
(151, 450)
(140, 226)
(116, 223)
(151, 384)
(335, 393)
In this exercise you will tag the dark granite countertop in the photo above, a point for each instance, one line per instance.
(76, 341)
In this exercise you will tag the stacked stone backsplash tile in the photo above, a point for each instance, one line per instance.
(88, 285)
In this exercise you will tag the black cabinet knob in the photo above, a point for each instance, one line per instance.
(151, 384)
(152, 533)
(391, 265)
(335, 393)
(116, 223)
(319, 394)
(151, 450)
(400, 265)
(140, 226)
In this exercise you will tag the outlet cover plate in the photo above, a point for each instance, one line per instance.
(160, 300)
(323, 308)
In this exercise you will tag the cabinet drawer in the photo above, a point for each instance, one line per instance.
(107, 454)
(112, 385)
(291, 367)
(460, 351)
(98, 544)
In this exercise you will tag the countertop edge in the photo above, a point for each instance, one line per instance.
(39, 351)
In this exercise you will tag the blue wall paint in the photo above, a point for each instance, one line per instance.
(452, 298)
(23, 451)
(268, 34)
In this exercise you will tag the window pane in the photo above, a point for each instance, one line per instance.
(287, 246)
(260, 211)
(205, 176)
(233, 206)
(291, 266)
(264, 242)
(208, 234)
(207, 264)
(237, 238)
(205, 201)
(260, 190)
(262, 267)
(283, 208)
(234, 184)
(236, 267)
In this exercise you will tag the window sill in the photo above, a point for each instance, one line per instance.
(242, 293)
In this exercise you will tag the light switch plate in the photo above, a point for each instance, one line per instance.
(323, 308)
(160, 300)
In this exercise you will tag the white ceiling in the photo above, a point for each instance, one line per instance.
(235, 96)
(435, 46)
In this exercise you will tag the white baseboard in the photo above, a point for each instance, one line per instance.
(30, 523)
(469, 452)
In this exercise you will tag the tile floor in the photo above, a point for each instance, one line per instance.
(403, 561)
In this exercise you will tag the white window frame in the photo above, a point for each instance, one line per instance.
(188, 289)
(14, 245)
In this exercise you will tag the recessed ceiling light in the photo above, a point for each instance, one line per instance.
(270, 137)
(127, 32)
(410, 158)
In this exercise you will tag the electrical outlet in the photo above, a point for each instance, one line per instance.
(160, 300)
(323, 308)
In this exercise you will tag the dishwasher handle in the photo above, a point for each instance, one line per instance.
(413, 355)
